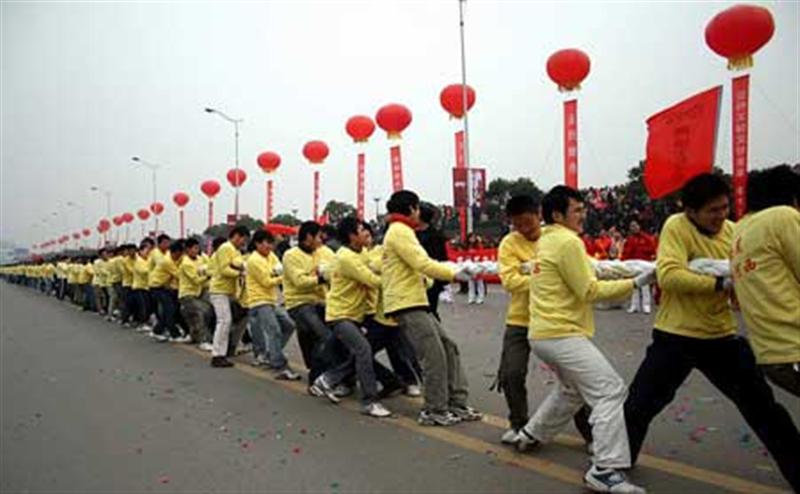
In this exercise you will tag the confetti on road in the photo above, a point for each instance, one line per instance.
(163, 479)
(296, 450)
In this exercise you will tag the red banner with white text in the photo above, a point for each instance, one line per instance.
(397, 168)
(740, 123)
(360, 187)
(571, 143)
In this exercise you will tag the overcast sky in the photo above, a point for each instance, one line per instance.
(85, 86)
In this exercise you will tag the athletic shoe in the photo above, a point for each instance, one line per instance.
(342, 390)
(466, 413)
(413, 390)
(526, 442)
(479, 301)
(447, 418)
(181, 339)
(646, 309)
(375, 409)
(287, 374)
(632, 310)
(509, 437)
(609, 480)
(590, 449)
(161, 338)
(244, 348)
(205, 346)
(220, 362)
(261, 361)
(320, 387)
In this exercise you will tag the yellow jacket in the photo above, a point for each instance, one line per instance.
(190, 279)
(141, 273)
(689, 305)
(351, 282)
(99, 272)
(515, 250)
(126, 270)
(374, 260)
(72, 273)
(405, 263)
(165, 274)
(262, 284)
(85, 274)
(114, 270)
(300, 281)
(563, 287)
(224, 278)
(765, 262)
(153, 259)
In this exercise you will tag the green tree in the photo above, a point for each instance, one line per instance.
(337, 210)
(222, 229)
(500, 190)
(286, 219)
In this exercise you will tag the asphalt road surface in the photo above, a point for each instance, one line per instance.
(90, 407)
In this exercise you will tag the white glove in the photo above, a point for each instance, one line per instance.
(713, 267)
(277, 270)
(474, 269)
(525, 267)
(462, 275)
(322, 270)
(646, 278)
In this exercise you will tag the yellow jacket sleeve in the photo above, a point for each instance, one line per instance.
(411, 252)
(510, 276)
(672, 266)
(578, 275)
(262, 274)
(788, 229)
(294, 272)
(226, 257)
(352, 267)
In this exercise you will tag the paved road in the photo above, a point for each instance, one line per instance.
(89, 407)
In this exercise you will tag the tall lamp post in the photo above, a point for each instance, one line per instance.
(153, 167)
(106, 193)
(377, 207)
(235, 122)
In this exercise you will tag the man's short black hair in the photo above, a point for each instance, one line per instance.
(702, 189)
(262, 236)
(176, 246)
(308, 228)
(776, 186)
(162, 238)
(368, 228)
(147, 242)
(522, 204)
(329, 231)
(557, 200)
(348, 226)
(428, 213)
(215, 244)
(239, 230)
(402, 202)
(191, 242)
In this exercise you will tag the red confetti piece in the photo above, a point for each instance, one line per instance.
(296, 451)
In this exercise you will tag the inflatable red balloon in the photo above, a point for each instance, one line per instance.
(393, 118)
(568, 68)
(104, 225)
(143, 214)
(738, 32)
(360, 128)
(315, 152)
(157, 208)
(268, 161)
(127, 218)
(210, 188)
(76, 235)
(452, 99)
(180, 199)
(118, 221)
(236, 177)
(86, 232)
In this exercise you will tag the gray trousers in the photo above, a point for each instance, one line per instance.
(271, 327)
(442, 374)
(349, 333)
(197, 312)
(513, 374)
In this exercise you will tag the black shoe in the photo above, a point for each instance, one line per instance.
(220, 362)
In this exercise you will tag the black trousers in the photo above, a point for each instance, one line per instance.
(315, 338)
(167, 303)
(730, 365)
(786, 376)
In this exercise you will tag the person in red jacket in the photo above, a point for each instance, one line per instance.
(588, 242)
(602, 245)
(639, 245)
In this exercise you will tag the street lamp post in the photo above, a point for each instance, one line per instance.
(235, 122)
(377, 206)
(107, 193)
(153, 168)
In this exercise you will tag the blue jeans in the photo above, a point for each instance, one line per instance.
(271, 327)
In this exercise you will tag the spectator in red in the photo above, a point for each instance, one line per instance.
(602, 245)
(588, 242)
(639, 245)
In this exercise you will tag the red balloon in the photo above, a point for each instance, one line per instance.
(86, 232)
(76, 235)
(236, 177)
(157, 208)
(360, 128)
(180, 199)
(127, 218)
(394, 119)
(315, 152)
(105, 224)
(143, 214)
(210, 188)
(452, 99)
(568, 68)
(118, 221)
(738, 32)
(269, 161)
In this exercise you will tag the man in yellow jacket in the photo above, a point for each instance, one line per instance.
(140, 285)
(405, 264)
(270, 324)
(228, 268)
(695, 329)
(765, 262)
(164, 287)
(195, 310)
(563, 288)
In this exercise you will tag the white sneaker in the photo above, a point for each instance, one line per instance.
(206, 347)
(321, 388)
(632, 310)
(287, 374)
(646, 309)
(509, 437)
(525, 441)
(181, 339)
(413, 390)
(375, 409)
(161, 338)
(470, 301)
(479, 301)
(609, 480)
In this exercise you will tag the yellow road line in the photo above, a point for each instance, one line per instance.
(544, 467)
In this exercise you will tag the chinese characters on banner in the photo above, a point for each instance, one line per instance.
(269, 200)
(477, 178)
(571, 143)
(360, 187)
(460, 149)
(316, 194)
(741, 88)
(397, 169)
(461, 163)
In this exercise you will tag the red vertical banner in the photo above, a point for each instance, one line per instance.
(180, 220)
(740, 122)
(571, 143)
(461, 163)
(316, 194)
(397, 168)
(269, 200)
(210, 213)
(360, 187)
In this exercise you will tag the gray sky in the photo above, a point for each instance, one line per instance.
(86, 86)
